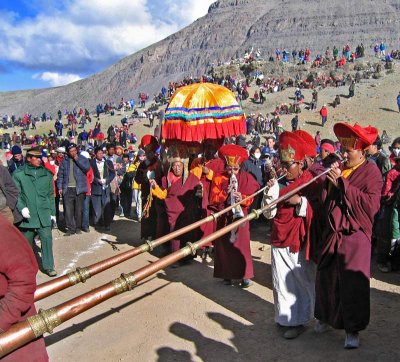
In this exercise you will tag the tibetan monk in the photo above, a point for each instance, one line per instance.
(352, 198)
(232, 251)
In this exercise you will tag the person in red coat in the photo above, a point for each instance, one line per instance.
(232, 251)
(18, 269)
(324, 114)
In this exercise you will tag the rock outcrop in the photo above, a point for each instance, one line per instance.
(230, 27)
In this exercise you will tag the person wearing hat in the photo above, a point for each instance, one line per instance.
(36, 205)
(232, 251)
(352, 199)
(178, 189)
(72, 186)
(17, 159)
(153, 213)
(293, 270)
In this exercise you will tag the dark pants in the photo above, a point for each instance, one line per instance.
(102, 208)
(73, 209)
(114, 200)
(46, 240)
(126, 202)
(86, 210)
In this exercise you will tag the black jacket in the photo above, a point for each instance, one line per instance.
(109, 175)
(254, 167)
(10, 190)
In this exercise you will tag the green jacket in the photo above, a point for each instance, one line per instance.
(36, 193)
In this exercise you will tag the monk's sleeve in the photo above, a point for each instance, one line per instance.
(16, 265)
(159, 193)
(218, 195)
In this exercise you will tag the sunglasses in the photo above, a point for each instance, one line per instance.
(233, 168)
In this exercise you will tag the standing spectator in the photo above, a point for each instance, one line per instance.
(86, 203)
(352, 89)
(17, 159)
(125, 185)
(72, 185)
(377, 156)
(36, 205)
(18, 269)
(314, 101)
(398, 102)
(324, 114)
(295, 123)
(151, 119)
(317, 140)
(8, 197)
(137, 193)
(104, 174)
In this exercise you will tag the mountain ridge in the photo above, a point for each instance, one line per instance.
(230, 27)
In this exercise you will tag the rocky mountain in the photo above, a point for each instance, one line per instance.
(229, 28)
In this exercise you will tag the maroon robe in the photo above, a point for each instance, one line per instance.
(344, 256)
(18, 269)
(233, 261)
(183, 208)
(217, 166)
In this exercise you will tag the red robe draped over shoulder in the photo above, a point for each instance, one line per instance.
(344, 256)
(233, 260)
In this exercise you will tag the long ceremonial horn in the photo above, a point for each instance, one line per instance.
(80, 275)
(35, 326)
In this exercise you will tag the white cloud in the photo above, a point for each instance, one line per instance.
(85, 36)
(189, 10)
(57, 79)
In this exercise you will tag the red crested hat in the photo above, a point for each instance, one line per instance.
(291, 147)
(355, 137)
(233, 155)
(149, 142)
(310, 146)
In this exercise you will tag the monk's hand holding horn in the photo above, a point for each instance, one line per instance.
(334, 174)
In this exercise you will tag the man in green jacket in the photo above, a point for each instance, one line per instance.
(36, 205)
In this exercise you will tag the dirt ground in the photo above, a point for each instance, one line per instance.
(185, 314)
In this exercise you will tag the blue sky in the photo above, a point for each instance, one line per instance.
(46, 43)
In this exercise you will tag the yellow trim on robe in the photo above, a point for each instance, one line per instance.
(159, 193)
(348, 171)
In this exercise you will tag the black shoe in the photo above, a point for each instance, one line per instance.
(228, 282)
(107, 228)
(78, 231)
(69, 233)
(86, 230)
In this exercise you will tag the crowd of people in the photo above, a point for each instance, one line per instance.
(322, 237)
